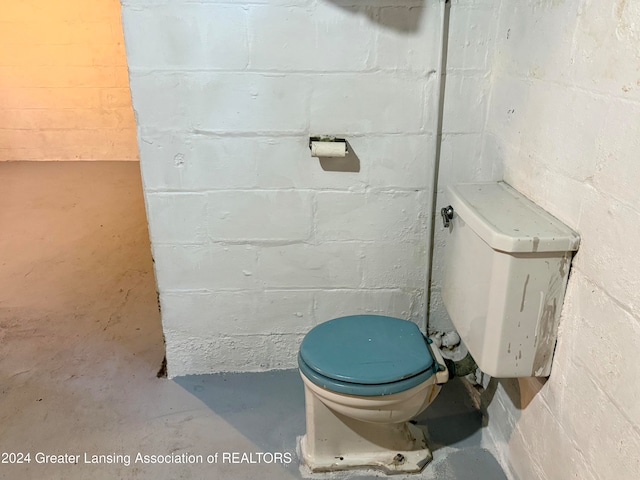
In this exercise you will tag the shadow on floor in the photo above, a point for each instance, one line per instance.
(268, 409)
(452, 420)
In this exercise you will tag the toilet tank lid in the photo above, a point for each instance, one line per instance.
(508, 221)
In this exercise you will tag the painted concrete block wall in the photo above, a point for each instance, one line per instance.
(254, 242)
(563, 122)
(64, 91)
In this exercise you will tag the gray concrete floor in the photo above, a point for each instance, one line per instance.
(81, 343)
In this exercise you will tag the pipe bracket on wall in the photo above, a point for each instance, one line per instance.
(447, 215)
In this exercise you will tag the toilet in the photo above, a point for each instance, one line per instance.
(365, 376)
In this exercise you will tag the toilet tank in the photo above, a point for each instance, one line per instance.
(506, 270)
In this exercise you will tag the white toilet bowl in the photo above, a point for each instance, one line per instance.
(355, 417)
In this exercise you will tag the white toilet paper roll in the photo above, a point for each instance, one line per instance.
(328, 149)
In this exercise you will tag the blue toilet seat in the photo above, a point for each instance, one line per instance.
(366, 355)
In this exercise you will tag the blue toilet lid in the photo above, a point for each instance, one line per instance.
(367, 350)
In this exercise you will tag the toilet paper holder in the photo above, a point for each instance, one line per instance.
(328, 146)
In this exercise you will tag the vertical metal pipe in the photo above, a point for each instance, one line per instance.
(441, 72)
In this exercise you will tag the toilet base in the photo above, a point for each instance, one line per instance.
(335, 441)
(388, 461)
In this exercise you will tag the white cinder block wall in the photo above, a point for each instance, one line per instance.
(64, 92)
(564, 121)
(254, 243)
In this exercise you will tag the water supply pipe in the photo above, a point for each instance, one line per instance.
(441, 72)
